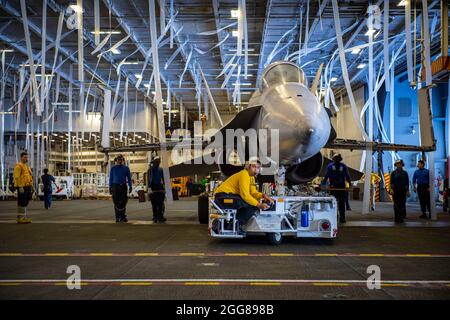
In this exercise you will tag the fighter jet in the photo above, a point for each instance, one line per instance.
(284, 102)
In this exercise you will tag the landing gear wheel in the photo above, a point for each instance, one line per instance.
(203, 209)
(275, 238)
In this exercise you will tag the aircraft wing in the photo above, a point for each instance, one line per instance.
(348, 144)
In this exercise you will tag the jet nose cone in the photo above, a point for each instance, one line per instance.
(304, 133)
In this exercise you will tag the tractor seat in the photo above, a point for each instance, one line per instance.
(228, 201)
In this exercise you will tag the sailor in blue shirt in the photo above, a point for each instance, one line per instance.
(156, 190)
(119, 177)
(48, 180)
(337, 173)
(421, 182)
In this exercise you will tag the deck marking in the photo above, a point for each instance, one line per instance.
(227, 282)
(220, 254)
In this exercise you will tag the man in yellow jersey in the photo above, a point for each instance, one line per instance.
(242, 186)
(23, 182)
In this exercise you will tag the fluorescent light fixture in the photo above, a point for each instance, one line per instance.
(361, 66)
(61, 103)
(115, 51)
(8, 112)
(76, 8)
(235, 33)
(52, 140)
(28, 65)
(249, 50)
(46, 75)
(138, 76)
(74, 111)
(370, 32)
(402, 3)
(171, 111)
(356, 51)
(233, 64)
(243, 75)
(246, 92)
(6, 50)
(333, 79)
(108, 32)
(242, 84)
(130, 62)
(235, 13)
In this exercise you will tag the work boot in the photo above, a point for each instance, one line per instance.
(155, 220)
(423, 216)
(23, 220)
(162, 219)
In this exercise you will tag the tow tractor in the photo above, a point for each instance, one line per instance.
(297, 214)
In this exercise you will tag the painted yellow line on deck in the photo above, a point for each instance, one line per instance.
(326, 254)
(136, 283)
(202, 283)
(418, 255)
(237, 254)
(281, 254)
(265, 283)
(10, 254)
(331, 284)
(64, 283)
(394, 285)
(371, 255)
(190, 254)
(147, 254)
(56, 254)
(10, 284)
(101, 254)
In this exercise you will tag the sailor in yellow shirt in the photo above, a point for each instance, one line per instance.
(242, 187)
(23, 181)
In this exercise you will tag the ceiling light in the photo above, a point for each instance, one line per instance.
(107, 32)
(248, 75)
(333, 79)
(75, 111)
(28, 65)
(76, 8)
(402, 3)
(356, 51)
(242, 84)
(130, 62)
(138, 76)
(370, 32)
(249, 50)
(235, 13)
(234, 64)
(115, 51)
(235, 33)
(361, 66)
(6, 50)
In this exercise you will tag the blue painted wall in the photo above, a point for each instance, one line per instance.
(407, 128)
